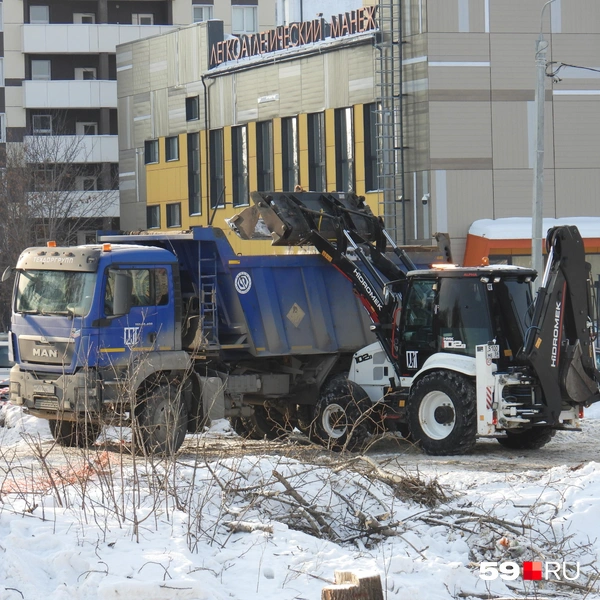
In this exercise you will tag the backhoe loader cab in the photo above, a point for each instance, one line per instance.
(454, 310)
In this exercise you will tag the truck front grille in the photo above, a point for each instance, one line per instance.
(48, 351)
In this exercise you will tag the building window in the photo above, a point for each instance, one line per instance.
(84, 18)
(39, 15)
(192, 108)
(172, 148)
(86, 183)
(41, 70)
(316, 152)
(193, 149)
(344, 150)
(86, 73)
(142, 19)
(264, 155)
(371, 146)
(239, 164)
(41, 124)
(244, 19)
(43, 178)
(217, 179)
(174, 215)
(1, 68)
(150, 151)
(2, 127)
(290, 161)
(86, 128)
(202, 12)
(153, 217)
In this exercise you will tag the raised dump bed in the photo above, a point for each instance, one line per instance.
(271, 305)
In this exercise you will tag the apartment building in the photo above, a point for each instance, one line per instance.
(58, 78)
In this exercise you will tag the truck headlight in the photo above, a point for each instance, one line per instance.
(83, 393)
(15, 393)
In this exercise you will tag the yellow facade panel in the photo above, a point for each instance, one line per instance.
(374, 199)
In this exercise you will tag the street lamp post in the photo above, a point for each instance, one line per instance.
(537, 233)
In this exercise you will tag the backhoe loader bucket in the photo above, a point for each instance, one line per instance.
(291, 217)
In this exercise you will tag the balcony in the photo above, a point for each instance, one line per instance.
(81, 204)
(84, 39)
(70, 94)
(76, 148)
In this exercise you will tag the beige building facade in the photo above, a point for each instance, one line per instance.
(463, 144)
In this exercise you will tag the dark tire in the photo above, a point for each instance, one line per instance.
(442, 413)
(404, 430)
(341, 416)
(74, 434)
(532, 439)
(266, 423)
(162, 420)
(238, 426)
(305, 416)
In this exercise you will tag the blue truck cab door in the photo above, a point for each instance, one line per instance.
(148, 325)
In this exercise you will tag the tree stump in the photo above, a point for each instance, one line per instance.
(354, 586)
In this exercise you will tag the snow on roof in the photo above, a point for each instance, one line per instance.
(519, 228)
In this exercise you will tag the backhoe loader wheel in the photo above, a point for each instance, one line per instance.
(266, 423)
(74, 434)
(442, 413)
(162, 420)
(342, 415)
(532, 439)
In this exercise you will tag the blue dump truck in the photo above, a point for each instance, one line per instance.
(163, 330)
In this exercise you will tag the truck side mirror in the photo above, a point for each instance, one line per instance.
(122, 293)
(7, 273)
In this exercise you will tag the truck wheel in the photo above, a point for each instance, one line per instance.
(237, 424)
(532, 439)
(74, 434)
(162, 421)
(442, 413)
(341, 415)
(266, 423)
(304, 414)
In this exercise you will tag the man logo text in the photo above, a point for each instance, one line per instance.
(45, 352)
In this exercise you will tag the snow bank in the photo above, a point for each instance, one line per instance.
(158, 530)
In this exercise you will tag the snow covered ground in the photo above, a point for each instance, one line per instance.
(235, 520)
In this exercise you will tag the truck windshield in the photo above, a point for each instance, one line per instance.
(55, 292)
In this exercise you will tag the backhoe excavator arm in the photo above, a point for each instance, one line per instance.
(559, 345)
(346, 233)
